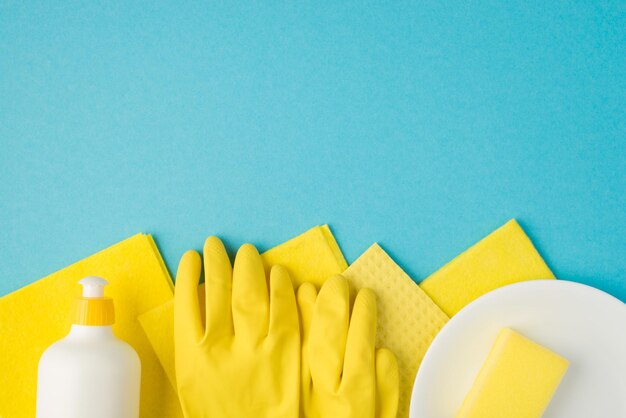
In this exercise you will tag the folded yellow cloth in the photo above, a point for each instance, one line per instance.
(518, 380)
(34, 317)
(408, 319)
(504, 257)
(310, 257)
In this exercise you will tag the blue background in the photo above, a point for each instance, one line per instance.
(423, 126)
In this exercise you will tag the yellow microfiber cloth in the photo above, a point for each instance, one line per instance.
(504, 257)
(310, 257)
(518, 380)
(36, 316)
(408, 319)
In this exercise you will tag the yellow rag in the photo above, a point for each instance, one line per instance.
(504, 257)
(34, 317)
(408, 319)
(310, 257)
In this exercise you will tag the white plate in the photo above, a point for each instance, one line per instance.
(583, 324)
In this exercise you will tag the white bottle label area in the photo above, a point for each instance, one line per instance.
(90, 373)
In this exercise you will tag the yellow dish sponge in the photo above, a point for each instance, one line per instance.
(518, 380)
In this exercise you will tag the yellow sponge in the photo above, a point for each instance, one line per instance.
(518, 380)
(408, 319)
(504, 257)
(312, 256)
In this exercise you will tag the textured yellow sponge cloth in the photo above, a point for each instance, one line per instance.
(504, 257)
(312, 256)
(408, 319)
(518, 380)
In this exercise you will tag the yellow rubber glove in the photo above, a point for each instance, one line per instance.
(343, 375)
(245, 362)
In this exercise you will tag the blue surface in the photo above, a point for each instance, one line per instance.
(422, 126)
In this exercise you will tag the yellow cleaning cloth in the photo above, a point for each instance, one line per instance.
(34, 317)
(504, 257)
(311, 257)
(408, 319)
(518, 380)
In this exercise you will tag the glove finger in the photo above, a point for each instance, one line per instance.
(387, 384)
(307, 294)
(283, 310)
(306, 304)
(218, 277)
(187, 322)
(329, 331)
(250, 299)
(359, 360)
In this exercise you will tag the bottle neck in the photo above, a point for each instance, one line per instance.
(89, 331)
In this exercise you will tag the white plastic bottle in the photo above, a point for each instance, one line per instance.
(89, 373)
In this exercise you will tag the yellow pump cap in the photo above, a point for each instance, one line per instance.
(93, 308)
